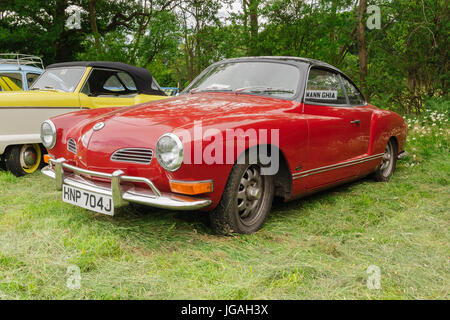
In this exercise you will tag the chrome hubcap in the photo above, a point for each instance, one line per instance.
(387, 160)
(253, 193)
(250, 194)
(28, 156)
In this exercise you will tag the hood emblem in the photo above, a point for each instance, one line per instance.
(98, 126)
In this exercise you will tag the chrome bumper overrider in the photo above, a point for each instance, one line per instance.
(122, 194)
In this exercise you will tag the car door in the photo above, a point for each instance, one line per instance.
(362, 113)
(334, 130)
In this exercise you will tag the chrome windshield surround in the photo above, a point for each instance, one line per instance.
(133, 155)
(72, 146)
(304, 174)
(122, 194)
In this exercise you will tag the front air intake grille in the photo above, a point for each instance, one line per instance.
(72, 146)
(133, 155)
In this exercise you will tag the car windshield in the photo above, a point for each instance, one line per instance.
(262, 78)
(60, 79)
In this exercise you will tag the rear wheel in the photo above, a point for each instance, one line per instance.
(246, 201)
(388, 163)
(23, 159)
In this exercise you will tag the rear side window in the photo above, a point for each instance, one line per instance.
(127, 81)
(354, 96)
(10, 81)
(106, 82)
(324, 87)
(113, 84)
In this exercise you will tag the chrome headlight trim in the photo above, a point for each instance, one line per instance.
(180, 153)
(53, 134)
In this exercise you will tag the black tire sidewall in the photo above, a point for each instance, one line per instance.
(12, 161)
(225, 217)
(379, 176)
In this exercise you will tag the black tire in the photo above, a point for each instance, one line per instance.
(230, 215)
(15, 165)
(387, 167)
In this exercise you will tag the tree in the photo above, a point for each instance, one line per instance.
(39, 27)
(362, 49)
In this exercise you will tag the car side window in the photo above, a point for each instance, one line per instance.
(10, 81)
(113, 84)
(31, 78)
(324, 87)
(109, 83)
(354, 96)
(127, 81)
(155, 85)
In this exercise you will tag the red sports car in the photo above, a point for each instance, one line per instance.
(244, 131)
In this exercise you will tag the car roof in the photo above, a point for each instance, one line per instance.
(14, 67)
(142, 77)
(309, 61)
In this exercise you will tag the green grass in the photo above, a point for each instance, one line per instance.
(315, 248)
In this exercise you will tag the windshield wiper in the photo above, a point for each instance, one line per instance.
(263, 89)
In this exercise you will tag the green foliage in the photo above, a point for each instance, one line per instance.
(408, 58)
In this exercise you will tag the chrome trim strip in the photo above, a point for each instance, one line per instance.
(121, 194)
(336, 166)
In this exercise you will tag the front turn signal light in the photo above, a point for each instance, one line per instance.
(47, 158)
(191, 187)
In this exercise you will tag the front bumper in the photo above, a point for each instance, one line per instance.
(122, 193)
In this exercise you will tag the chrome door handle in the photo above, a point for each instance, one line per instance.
(355, 121)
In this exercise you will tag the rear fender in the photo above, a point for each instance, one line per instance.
(384, 125)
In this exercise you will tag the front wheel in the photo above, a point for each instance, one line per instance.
(23, 159)
(246, 201)
(388, 163)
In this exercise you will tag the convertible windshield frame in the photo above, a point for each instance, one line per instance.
(300, 66)
(76, 85)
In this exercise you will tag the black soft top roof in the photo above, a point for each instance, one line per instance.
(142, 77)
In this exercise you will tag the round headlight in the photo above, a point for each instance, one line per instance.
(48, 134)
(169, 152)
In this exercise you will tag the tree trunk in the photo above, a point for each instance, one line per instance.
(362, 48)
(252, 6)
(93, 21)
(63, 50)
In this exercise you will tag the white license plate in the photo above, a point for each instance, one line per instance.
(88, 200)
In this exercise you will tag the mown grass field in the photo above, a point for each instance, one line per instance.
(316, 248)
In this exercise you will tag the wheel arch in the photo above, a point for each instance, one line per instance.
(386, 125)
(282, 177)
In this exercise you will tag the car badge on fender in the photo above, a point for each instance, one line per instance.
(99, 126)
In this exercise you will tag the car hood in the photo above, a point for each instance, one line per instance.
(183, 111)
(45, 98)
(140, 126)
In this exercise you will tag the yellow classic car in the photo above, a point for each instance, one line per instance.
(63, 88)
